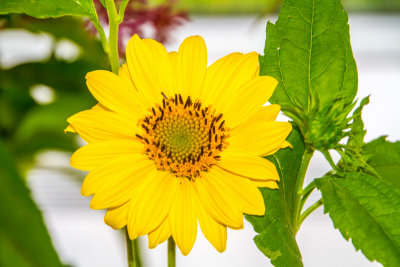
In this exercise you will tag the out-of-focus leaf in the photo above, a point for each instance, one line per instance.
(49, 8)
(384, 157)
(24, 240)
(366, 210)
(35, 127)
(276, 237)
(43, 127)
(70, 28)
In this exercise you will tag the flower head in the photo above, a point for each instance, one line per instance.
(172, 142)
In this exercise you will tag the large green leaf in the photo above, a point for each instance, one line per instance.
(276, 237)
(384, 157)
(49, 8)
(24, 240)
(366, 210)
(308, 51)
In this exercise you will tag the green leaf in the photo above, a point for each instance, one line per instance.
(276, 237)
(24, 240)
(49, 8)
(384, 157)
(366, 210)
(308, 51)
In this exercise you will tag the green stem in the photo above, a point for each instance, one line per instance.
(129, 250)
(114, 20)
(121, 11)
(306, 193)
(137, 252)
(310, 210)
(305, 161)
(171, 252)
(132, 249)
(103, 37)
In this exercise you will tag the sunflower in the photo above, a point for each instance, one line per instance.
(172, 142)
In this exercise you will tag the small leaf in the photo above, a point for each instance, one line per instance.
(366, 210)
(276, 237)
(308, 51)
(24, 240)
(357, 132)
(353, 158)
(384, 157)
(49, 8)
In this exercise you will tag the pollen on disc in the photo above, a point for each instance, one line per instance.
(183, 137)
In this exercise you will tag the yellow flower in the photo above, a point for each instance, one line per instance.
(173, 142)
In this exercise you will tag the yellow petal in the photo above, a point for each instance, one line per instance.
(116, 217)
(135, 200)
(266, 113)
(235, 192)
(247, 100)
(284, 144)
(115, 93)
(212, 230)
(249, 166)
(269, 184)
(69, 129)
(112, 182)
(125, 75)
(225, 76)
(97, 154)
(183, 216)
(259, 138)
(191, 66)
(160, 235)
(150, 68)
(173, 56)
(100, 107)
(154, 203)
(100, 125)
(213, 199)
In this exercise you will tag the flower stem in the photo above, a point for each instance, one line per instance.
(305, 161)
(310, 210)
(113, 20)
(132, 249)
(171, 252)
(103, 38)
(306, 193)
(121, 11)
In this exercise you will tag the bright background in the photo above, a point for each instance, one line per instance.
(79, 234)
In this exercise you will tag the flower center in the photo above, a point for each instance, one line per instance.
(182, 136)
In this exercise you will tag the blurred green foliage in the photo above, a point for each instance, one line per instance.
(268, 6)
(26, 126)
(24, 241)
